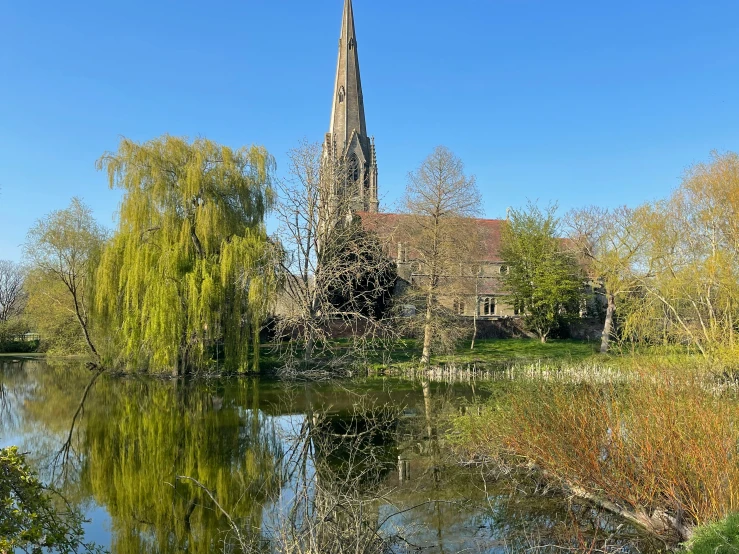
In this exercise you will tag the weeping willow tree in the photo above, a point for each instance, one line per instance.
(190, 267)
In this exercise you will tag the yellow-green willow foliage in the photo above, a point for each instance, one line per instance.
(190, 264)
(141, 435)
(688, 274)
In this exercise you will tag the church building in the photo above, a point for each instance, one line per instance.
(349, 144)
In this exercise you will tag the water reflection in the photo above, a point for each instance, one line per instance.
(276, 459)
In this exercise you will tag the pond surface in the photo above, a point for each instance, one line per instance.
(143, 451)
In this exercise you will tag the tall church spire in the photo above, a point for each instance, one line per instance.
(347, 114)
(347, 137)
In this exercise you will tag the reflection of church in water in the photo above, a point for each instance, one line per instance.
(348, 145)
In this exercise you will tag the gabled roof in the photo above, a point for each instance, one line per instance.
(391, 228)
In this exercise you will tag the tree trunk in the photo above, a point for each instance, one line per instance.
(83, 323)
(474, 329)
(308, 354)
(196, 242)
(608, 326)
(474, 314)
(427, 334)
(310, 340)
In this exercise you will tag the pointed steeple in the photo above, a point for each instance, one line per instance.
(347, 137)
(347, 114)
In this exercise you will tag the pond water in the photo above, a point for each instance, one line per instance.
(275, 455)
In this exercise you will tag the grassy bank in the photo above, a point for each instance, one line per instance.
(492, 351)
(497, 353)
(717, 538)
(659, 448)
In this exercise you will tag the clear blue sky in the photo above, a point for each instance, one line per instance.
(581, 102)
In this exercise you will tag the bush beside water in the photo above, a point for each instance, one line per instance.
(19, 347)
(662, 447)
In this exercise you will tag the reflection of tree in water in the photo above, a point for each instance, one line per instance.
(150, 433)
(136, 436)
(336, 466)
(42, 397)
(44, 391)
(357, 445)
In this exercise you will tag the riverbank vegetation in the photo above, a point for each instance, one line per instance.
(640, 423)
(716, 538)
(190, 281)
(657, 448)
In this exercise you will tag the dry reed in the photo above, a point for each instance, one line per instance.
(659, 448)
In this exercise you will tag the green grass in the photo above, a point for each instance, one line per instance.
(406, 353)
(496, 352)
(716, 538)
(523, 350)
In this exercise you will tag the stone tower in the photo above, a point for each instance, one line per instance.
(347, 144)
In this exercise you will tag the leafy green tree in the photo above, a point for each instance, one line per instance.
(190, 264)
(29, 519)
(544, 280)
(63, 248)
(50, 313)
(689, 268)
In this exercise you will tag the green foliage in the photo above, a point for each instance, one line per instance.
(680, 277)
(29, 519)
(10, 330)
(62, 250)
(190, 264)
(716, 538)
(50, 312)
(143, 435)
(544, 281)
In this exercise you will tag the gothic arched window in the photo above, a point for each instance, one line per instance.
(341, 94)
(351, 43)
(353, 168)
(487, 306)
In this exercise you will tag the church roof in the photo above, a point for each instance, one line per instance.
(390, 227)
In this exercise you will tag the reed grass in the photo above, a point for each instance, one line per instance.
(649, 443)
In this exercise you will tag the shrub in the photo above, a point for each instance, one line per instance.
(30, 521)
(650, 444)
